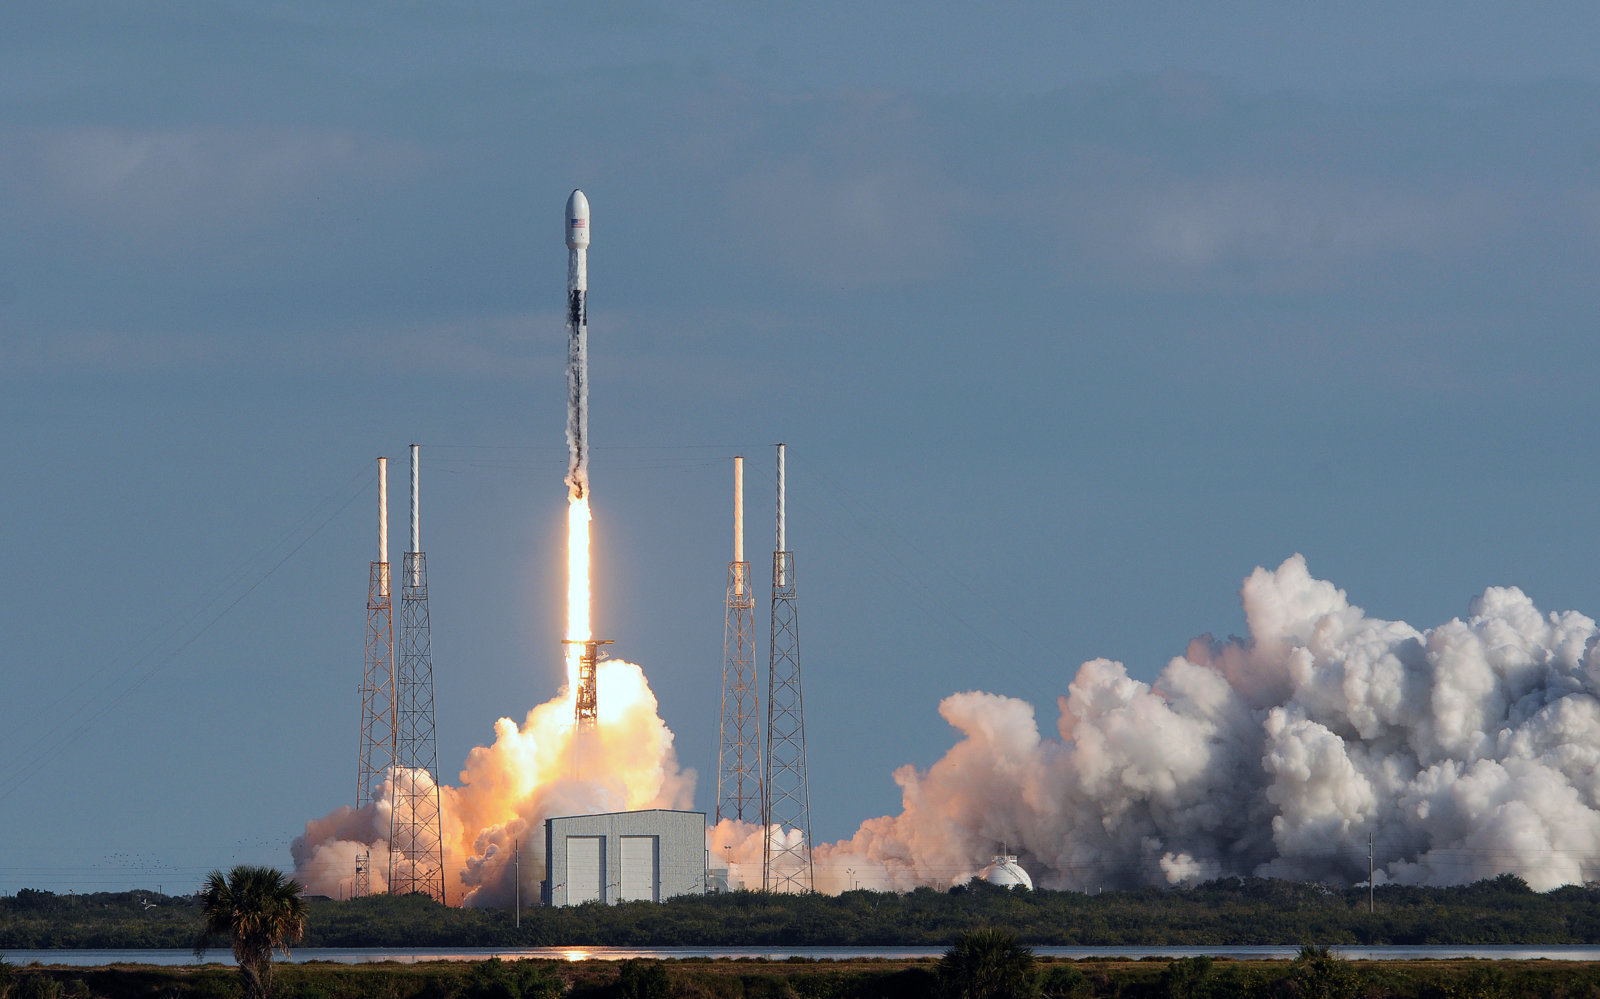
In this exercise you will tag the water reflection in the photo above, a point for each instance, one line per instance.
(363, 955)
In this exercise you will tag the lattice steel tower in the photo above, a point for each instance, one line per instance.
(785, 867)
(377, 686)
(416, 846)
(739, 751)
(586, 708)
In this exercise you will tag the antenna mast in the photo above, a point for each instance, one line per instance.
(378, 722)
(786, 867)
(739, 753)
(416, 846)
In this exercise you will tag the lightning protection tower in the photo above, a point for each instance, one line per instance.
(416, 846)
(363, 883)
(377, 686)
(739, 753)
(785, 866)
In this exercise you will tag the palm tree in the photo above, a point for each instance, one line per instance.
(987, 964)
(260, 911)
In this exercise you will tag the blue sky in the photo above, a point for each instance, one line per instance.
(1071, 316)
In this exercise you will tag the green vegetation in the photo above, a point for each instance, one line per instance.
(643, 980)
(497, 979)
(259, 911)
(1315, 973)
(987, 964)
(1247, 911)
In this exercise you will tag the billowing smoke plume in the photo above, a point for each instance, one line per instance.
(541, 769)
(1466, 750)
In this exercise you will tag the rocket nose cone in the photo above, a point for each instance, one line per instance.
(577, 220)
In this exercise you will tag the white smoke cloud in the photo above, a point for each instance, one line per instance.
(1466, 750)
(325, 857)
(531, 772)
(739, 848)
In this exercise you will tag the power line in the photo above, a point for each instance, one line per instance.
(93, 708)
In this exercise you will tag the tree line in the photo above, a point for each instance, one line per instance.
(1259, 911)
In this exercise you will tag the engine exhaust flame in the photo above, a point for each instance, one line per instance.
(578, 591)
(506, 790)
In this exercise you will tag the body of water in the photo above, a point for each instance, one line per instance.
(363, 955)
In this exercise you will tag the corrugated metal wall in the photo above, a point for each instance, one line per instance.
(646, 855)
(640, 879)
(586, 868)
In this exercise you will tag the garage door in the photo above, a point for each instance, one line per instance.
(586, 868)
(639, 869)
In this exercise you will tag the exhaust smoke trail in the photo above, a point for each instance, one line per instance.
(578, 626)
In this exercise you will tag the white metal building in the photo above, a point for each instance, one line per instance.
(624, 856)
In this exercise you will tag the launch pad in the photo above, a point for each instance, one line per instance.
(588, 706)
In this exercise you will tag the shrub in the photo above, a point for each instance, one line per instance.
(38, 986)
(643, 979)
(1186, 977)
(1318, 974)
(497, 979)
(1062, 981)
(988, 964)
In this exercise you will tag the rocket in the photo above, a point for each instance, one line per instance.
(577, 224)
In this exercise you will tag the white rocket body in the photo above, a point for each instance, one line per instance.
(577, 225)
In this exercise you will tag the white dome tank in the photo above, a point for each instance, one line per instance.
(1007, 873)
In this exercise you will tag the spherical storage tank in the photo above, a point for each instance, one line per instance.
(1007, 873)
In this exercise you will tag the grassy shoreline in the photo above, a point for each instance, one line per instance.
(722, 978)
